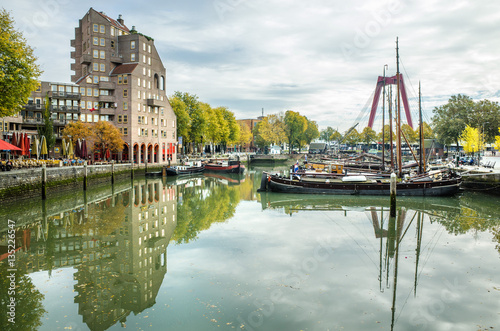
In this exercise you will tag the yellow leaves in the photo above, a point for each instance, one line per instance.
(472, 140)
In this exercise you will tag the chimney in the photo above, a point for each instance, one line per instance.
(120, 19)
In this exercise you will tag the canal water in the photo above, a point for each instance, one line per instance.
(211, 253)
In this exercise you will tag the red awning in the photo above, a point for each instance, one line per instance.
(5, 146)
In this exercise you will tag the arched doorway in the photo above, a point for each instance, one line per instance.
(136, 153)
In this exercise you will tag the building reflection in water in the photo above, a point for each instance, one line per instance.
(117, 244)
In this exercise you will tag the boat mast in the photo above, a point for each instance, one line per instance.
(398, 122)
(391, 138)
(421, 166)
(383, 123)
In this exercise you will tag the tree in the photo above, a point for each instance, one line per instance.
(234, 128)
(387, 134)
(326, 134)
(450, 120)
(428, 133)
(471, 140)
(182, 114)
(410, 134)
(78, 130)
(295, 126)
(47, 130)
(18, 69)
(107, 136)
(352, 138)
(245, 134)
(497, 141)
(311, 132)
(271, 130)
(336, 136)
(368, 135)
(486, 115)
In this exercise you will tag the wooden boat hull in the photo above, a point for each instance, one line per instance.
(445, 187)
(229, 169)
(174, 171)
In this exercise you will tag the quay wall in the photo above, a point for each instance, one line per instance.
(29, 181)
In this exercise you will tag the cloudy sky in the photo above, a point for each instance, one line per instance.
(320, 58)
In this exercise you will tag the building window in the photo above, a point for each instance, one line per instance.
(102, 42)
(125, 93)
(138, 97)
(138, 82)
(103, 67)
(95, 66)
(112, 42)
(102, 54)
(125, 106)
(112, 31)
(96, 79)
(96, 92)
(125, 79)
(132, 57)
(102, 29)
(125, 131)
(119, 118)
(132, 44)
(120, 79)
(96, 28)
(96, 54)
(149, 60)
(149, 48)
(144, 58)
(82, 91)
(144, 46)
(89, 91)
(125, 119)
(95, 41)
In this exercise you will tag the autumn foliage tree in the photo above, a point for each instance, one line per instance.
(107, 137)
(18, 69)
(471, 140)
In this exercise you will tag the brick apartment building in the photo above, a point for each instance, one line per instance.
(118, 77)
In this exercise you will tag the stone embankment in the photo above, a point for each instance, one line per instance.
(29, 181)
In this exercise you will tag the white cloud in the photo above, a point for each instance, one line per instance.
(319, 58)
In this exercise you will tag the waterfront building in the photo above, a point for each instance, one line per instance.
(122, 80)
(118, 77)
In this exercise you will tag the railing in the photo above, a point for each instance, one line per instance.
(64, 94)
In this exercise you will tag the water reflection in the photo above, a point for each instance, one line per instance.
(114, 239)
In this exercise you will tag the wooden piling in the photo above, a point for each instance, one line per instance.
(112, 172)
(85, 176)
(44, 182)
(393, 195)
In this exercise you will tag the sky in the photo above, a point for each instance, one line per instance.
(319, 58)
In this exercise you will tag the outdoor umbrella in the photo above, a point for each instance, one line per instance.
(13, 141)
(70, 149)
(34, 147)
(78, 150)
(64, 147)
(43, 149)
(27, 145)
(84, 149)
(108, 154)
(5, 146)
(21, 144)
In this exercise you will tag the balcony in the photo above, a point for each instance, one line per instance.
(86, 59)
(116, 58)
(106, 85)
(66, 109)
(72, 43)
(64, 95)
(106, 98)
(73, 55)
(33, 121)
(106, 111)
(33, 106)
(73, 66)
(155, 103)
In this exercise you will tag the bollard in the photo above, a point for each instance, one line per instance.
(393, 195)
(44, 182)
(85, 176)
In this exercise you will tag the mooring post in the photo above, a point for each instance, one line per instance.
(393, 195)
(132, 171)
(85, 176)
(112, 172)
(44, 182)
(146, 167)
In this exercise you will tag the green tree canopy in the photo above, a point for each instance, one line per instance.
(295, 126)
(182, 114)
(449, 120)
(368, 135)
(18, 69)
(312, 131)
(352, 138)
(326, 134)
(271, 130)
(410, 134)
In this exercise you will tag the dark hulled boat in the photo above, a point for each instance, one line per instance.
(186, 169)
(445, 184)
(231, 166)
